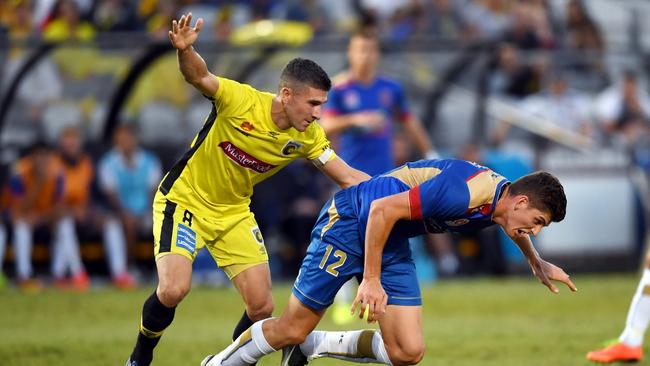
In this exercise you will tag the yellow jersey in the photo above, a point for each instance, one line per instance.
(238, 147)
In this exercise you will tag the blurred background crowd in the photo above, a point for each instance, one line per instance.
(94, 111)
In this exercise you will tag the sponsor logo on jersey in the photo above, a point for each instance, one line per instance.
(290, 147)
(257, 234)
(351, 99)
(243, 159)
(242, 131)
(458, 222)
(274, 134)
(247, 126)
(185, 238)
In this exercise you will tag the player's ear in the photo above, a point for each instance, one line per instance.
(285, 94)
(521, 201)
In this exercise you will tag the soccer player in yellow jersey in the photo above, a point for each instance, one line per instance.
(204, 199)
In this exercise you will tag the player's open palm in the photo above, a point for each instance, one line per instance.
(371, 297)
(547, 272)
(182, 35)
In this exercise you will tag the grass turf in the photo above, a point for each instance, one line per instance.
(513, 321)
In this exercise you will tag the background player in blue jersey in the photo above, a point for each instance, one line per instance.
(364, 107)
(362, 232)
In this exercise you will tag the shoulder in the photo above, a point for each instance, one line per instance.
(148, 157)
(341, 78)
(314, 130)
(229, 88)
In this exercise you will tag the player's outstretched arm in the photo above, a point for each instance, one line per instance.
(543, 270)
(192, 66)
(341, 173)
(366, 120)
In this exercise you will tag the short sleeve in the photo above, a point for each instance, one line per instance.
(401, 103)
(232, 97)
(320, 145)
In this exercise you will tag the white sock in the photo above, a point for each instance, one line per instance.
(638, 315)
(65, 241)
(247, 349)
(115, 246)
(3, 245)
(362, 346)
(23, 249)
(58, 264)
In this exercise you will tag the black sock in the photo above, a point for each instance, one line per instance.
(155, 318)
(244, 323)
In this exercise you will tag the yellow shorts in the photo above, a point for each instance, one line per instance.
(234, 241)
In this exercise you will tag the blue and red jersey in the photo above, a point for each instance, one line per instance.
(445, 195)
(370, 151)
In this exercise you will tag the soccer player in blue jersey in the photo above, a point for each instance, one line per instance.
(363, 232)
(364, 108)
(363, 111)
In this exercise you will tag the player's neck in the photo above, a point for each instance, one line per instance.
(278, 115)
(365, 77)
(500, 206)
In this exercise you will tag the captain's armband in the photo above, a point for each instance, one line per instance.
(324, 157)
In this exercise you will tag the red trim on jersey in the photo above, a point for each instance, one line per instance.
(475, 174)
(415, 204)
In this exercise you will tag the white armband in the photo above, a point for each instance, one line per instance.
(324, 157)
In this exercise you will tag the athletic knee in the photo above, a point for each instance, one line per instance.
(172, 294)
(260, 309)
(407, 355)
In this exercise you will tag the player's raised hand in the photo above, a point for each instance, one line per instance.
(182, 35)
(372, 297)
(547, 272)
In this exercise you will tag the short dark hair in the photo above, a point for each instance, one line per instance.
(544, 191)
(304, 71)
(366, 33)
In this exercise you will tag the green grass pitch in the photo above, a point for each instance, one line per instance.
(514, 321)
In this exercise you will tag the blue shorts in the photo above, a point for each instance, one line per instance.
(327, 266)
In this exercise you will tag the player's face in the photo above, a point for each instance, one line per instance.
(526, 220)
(71, 142)
(41, 161)
(303, 105)
(125, 141)
(363, 54)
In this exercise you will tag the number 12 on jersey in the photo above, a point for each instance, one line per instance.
(331, 269)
